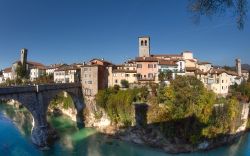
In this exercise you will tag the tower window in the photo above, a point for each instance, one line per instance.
(142, 43)
(146, 43)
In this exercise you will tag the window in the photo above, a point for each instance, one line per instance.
(222, 81)
(218, 81)
(85, 69)
(141, 43)
(150, 66)
(154, 65)
(126, 75)
(89, 82)
(150, 75)
(146, 43)
(116, 81)
(222, 87)
(139, 65)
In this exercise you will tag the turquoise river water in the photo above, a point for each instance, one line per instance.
(15, 127)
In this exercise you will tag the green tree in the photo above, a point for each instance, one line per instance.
(22, 72)
(161, 77)
(211, 7)
(124, 83)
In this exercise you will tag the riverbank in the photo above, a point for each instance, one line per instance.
(153, 138)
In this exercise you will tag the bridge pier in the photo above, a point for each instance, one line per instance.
(37, 99)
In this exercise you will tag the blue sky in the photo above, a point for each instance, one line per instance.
(56, 31)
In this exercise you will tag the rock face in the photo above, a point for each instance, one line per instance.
(95, 116)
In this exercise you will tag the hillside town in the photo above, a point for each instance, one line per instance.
(98, 74)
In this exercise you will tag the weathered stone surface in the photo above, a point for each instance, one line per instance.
(36, 99)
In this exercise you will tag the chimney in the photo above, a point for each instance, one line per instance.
(238, 66)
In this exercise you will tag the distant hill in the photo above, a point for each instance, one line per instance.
(243, 67)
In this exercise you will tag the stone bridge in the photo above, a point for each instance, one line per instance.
(37, 99)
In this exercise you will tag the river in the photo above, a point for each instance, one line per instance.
(15, 127)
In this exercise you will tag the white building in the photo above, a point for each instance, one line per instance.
(7, 74)
(67, 74)
(175, 67)
(36, 72)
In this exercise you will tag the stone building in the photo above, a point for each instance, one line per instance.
(94, 76)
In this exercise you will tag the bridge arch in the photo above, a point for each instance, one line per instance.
(36, 99)
(77, 100)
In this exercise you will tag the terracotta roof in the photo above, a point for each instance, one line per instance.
(166, 62)
(231, 73)
(35, 63)
(202, 63)
(221, 70)
(101, 60)
(166, 55)
(39, 67)
(7, 70)
(123, 71)
(65, 68)
(146, 59)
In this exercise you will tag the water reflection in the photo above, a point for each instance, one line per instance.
(76, 140)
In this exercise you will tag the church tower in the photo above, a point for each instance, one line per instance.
(24, 53)
(238, 66)
(144, 46)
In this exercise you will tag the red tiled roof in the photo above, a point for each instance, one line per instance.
(101, 60)
(7, 70)
(35, 63)
(202, 63)
(146, 59)
(123, 71)
(65, 68)
(167, 62)
(166, 55)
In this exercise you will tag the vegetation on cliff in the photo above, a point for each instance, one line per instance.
(118, 103)
(183, 110)
(62, 100)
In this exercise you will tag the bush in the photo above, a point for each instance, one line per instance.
(124, 83)
(118, 104)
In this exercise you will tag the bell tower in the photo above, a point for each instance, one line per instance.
(238, 66)
(144, 46)
(24, 53)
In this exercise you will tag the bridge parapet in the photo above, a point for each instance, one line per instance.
(17, 90)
